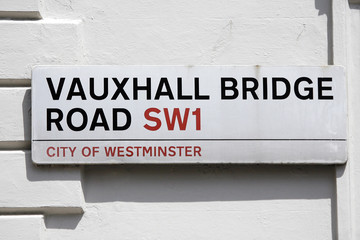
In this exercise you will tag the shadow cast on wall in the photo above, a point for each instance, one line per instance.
(324, 7)
(69, 222)
(193, 183)
(26, 109)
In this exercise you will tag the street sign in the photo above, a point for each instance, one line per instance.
(188, 114)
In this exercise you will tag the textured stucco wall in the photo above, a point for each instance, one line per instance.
(172, 201)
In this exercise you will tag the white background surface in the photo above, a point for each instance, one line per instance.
(172, 201)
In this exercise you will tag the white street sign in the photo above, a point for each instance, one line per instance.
(178, 114)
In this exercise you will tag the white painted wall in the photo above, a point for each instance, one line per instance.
(353, 52)
(174, 201)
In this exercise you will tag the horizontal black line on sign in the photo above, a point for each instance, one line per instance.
(177, 140)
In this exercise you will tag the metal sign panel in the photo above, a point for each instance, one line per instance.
(179, 114)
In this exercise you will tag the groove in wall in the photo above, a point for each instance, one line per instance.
(15, 145)
(60, 210)
(20, 15)
(15, 82)
(354, 1)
